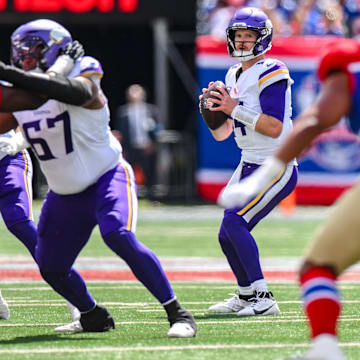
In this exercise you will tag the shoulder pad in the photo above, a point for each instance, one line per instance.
(272, 71)
(87, 66)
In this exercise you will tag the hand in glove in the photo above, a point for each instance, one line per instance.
(13, 145)
(66, 61)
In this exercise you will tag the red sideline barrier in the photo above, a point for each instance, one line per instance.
(305, 195)
(310, 45)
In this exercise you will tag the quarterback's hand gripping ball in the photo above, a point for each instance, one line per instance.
(213, 119)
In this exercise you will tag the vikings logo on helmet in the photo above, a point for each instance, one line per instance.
(40, 42)
(251, 19)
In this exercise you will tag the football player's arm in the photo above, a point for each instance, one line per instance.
(331, 105)
(7, 122)
(260, 122)
(52, 85)
(224, 131)
(96, 99)
(14, 99)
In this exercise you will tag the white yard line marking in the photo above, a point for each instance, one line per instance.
(262, 320)
(14, 302)
(163, 348)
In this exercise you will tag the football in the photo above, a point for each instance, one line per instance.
(213, 119)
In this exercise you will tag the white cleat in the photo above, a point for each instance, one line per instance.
(4, 309)
(74, 327)
(181, 330)
(232, 305)
(262, 304)
(74, 311)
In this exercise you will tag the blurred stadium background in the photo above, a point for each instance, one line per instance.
(173, 48)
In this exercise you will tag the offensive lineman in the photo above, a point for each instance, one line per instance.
(16, 178)
(89, 181)
(259, 104)
(336, 246)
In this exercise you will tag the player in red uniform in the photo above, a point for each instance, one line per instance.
(337, 245)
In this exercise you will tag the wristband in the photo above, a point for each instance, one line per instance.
(245, 115)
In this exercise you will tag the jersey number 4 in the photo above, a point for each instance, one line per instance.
(239, 124)
(46, 153)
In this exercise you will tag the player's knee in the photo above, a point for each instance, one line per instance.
(110, 224)
(53, 277)
(121, 241)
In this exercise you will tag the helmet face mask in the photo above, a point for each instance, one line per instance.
(37, 44)
(26, 50)
(250, 19)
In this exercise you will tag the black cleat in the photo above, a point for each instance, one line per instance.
(96, 320)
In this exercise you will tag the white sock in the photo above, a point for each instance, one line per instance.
(246, 290)
(260, 285)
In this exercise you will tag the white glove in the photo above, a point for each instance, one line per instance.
(239, 194)
(13, 145)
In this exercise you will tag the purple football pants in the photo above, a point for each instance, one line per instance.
(16, 198)
(235, 238)
(67, 221)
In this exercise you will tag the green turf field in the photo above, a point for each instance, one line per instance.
(190, 236)
(141, 324)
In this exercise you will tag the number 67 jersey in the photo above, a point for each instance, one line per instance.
(74, 145)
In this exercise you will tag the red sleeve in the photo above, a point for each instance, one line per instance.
(339, 55)
(1, 97)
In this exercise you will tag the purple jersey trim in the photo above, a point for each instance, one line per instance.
(272, 99)
(277, 66)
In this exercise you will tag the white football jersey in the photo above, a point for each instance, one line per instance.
(257, 147)
(74, 145)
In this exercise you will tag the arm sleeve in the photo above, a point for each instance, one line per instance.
(272, 99)
(56, 86)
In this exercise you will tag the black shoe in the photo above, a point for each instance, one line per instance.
(97, 320)
(182, 324)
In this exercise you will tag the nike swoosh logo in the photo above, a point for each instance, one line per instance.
(263, 311)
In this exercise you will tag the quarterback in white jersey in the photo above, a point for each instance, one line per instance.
(247, 88)
(90, 184)
(258, 103)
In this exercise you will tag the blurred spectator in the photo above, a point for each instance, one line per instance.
(355, 29)
(289, 17)
(322, 17)
(204, 9)
(136, 127)
(219, 19)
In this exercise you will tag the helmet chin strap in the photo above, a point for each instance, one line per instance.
(244, 54)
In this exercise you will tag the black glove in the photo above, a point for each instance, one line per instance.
(75, 50)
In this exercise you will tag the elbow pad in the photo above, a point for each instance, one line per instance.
(54, 86)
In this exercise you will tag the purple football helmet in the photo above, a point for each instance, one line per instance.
(40, 41)
(252, 19)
